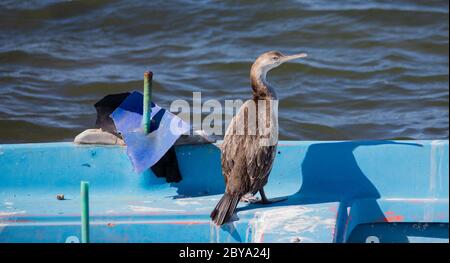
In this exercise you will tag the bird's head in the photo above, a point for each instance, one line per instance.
(273, 59)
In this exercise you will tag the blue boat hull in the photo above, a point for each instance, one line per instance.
(338, 191)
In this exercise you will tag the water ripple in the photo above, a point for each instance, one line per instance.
(376, 69)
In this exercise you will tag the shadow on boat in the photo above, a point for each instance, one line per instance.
(330, 173)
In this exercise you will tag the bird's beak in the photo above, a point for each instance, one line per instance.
(291, 57)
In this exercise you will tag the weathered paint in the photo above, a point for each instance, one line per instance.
(300, 223)
(358, 191)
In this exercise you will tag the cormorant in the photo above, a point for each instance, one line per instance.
(246, 163)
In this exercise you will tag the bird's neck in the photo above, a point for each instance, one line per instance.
(262, 90)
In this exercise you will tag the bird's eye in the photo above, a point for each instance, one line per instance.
(275, 58)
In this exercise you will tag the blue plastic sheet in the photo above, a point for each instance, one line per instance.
(144, 150)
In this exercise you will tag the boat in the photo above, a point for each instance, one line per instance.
(337, 192)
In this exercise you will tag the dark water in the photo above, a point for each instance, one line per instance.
(376, 69)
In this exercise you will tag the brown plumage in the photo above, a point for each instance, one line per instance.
(247, 158)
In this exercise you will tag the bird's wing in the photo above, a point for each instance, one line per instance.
(245, 163)
(259, 164)
(233, 154)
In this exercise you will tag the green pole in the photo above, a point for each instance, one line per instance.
(147, 113)
(84, 212)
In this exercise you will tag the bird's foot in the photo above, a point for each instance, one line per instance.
(266, 201)
(249, 198)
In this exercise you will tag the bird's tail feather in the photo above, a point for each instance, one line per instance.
(225, 208)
